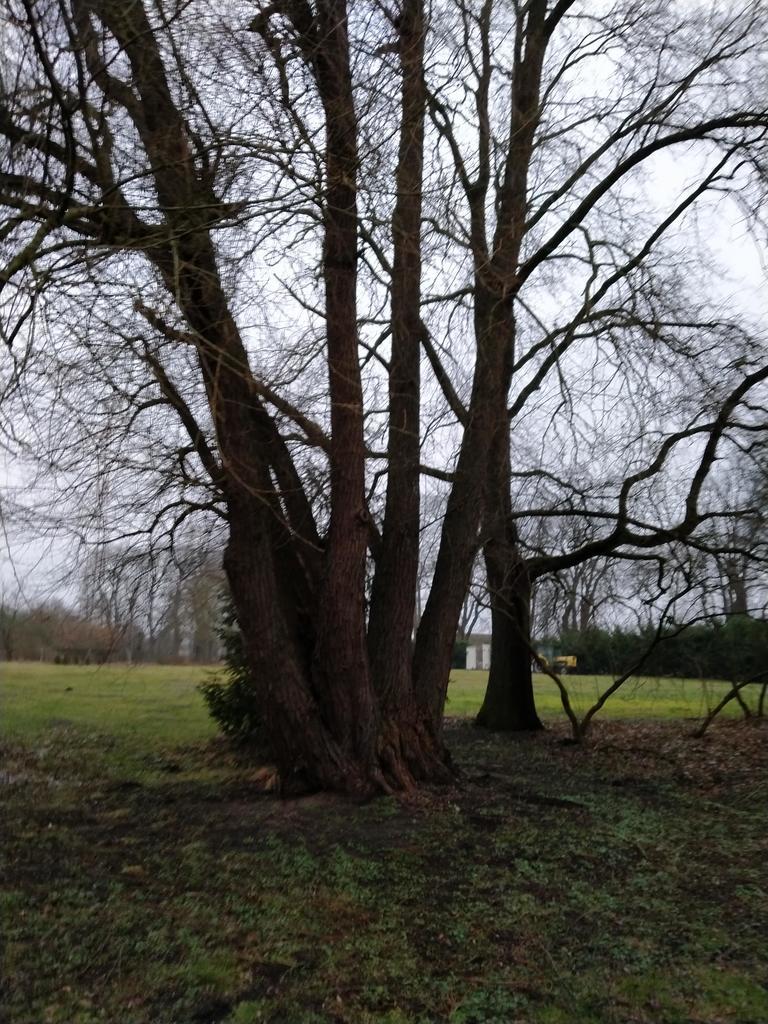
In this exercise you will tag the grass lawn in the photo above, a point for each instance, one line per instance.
(640, 698)
(148, 879)
(146, 705)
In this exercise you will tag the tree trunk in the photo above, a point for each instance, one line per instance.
(308, 733)
(300, 600)
(737, 586)
(306, 753)
(569, 615)
(340, 665)
(328, 719)
(509, 703)
(393, 596)
(586, 612)
(464, 510)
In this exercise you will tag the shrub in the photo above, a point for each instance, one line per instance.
(229, 695)
(459, 656)
(734, 649)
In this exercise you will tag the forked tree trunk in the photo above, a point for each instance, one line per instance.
(300, 601)
(309, 735)
(347, 721)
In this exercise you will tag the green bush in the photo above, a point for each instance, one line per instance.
(459, 656)
(736, 648)
(230, 695)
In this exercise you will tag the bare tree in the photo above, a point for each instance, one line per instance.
(158, 604)
(123, 160)
(544, 198)
(231, 256)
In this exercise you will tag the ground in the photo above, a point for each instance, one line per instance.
(148, 878)
(161, 703)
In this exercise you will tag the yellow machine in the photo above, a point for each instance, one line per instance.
(564, 664)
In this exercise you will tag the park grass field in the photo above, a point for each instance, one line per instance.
(640, 698)
(148, 878)
(158, 704)
(147, 705)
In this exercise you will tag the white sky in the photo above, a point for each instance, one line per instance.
(31, 567)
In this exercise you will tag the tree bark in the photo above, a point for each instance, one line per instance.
(393, 596)
(509, 702)
(307, 755)
(377, 739)
(464, 509)
(340, 665)
(301, 610)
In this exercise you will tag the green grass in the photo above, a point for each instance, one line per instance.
(555, 885)
(147, 879)
(641, 698)
(155, 705)
(147, 704)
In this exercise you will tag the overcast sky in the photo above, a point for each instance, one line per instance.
(39, 565)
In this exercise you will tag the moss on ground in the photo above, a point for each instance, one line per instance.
(620, 883)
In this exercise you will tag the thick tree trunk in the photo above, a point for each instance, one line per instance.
(509, 702)
(306, 752)
(340, 666)
(350, 736)
(568, 622)
(300, 602)
(393, 597)
(308, 734)
(409, 748)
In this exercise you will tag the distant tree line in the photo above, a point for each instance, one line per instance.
(734, 649)
(52, 632)
(134, 604)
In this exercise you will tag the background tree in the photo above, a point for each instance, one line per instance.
(573, 284)
(162, 604)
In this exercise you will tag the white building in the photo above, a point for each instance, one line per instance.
(479, 651)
